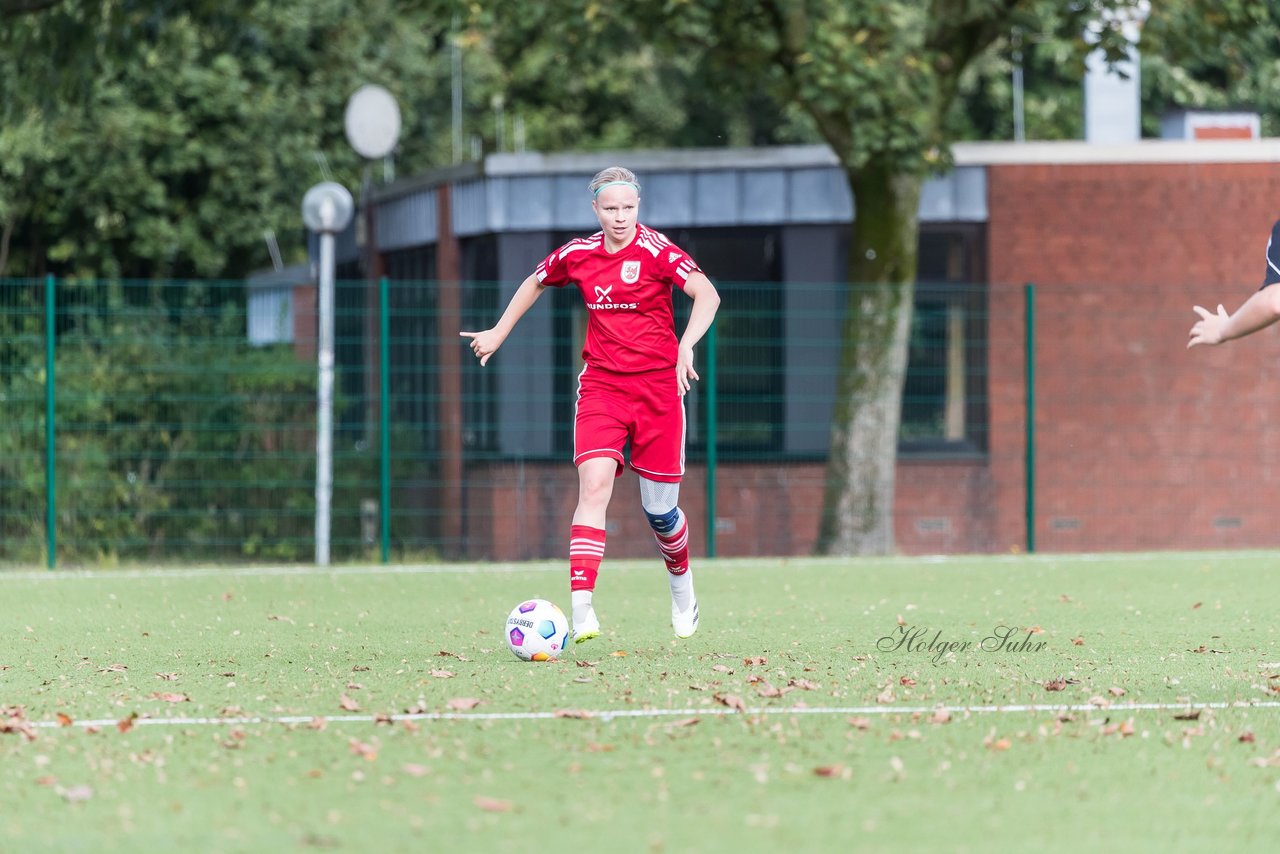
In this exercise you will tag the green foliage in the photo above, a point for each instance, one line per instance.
(173, 434)
(182, 149)
(1214, 55)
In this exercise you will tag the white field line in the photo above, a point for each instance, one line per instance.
(606, 715)
(619, 564)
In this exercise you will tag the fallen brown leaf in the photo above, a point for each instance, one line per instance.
(19, 726)
(1115, 691)
(1192, 715)
(1124, 728)
(753, 660)
(492, 804)
(829, 771)
(361, 748)
(732, 701)
(803, 684)
(442, 674)
(886, 696)
(462, 704)
(170, 697)
(126, 724)
(317, 723)
(683, 722)
(1078, 641)
(579, 714)
(940, 716)
(720, 668)
(169, 677)
(114, 668)
(347, 704)
(860, 723)
(1246, 737)
(621, 653)
(1055, 685)
(415, 770)
(64, 719)
(581, 663)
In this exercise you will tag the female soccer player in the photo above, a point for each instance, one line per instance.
(627, 389)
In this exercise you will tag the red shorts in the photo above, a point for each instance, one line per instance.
(645, 408)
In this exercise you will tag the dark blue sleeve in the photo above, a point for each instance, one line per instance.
(1273, 257)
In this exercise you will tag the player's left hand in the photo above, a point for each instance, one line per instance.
(1208, 329)
(684, 369)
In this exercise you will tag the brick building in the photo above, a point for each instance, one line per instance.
(1139, 444)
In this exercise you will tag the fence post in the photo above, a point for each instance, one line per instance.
(384, 418)
(711, 440)
(50, 435)
(1029, 346)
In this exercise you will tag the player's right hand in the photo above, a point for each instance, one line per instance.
(484, 344)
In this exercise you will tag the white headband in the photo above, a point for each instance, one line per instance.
(631, 184)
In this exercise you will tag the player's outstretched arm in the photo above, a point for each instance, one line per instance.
(485, 344)
(1258, 312)
(706, 299)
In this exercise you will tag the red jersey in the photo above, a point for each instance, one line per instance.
(630, 325)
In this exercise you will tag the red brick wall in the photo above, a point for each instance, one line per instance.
(1141, 444)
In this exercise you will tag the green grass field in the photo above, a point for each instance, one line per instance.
(1140, 711)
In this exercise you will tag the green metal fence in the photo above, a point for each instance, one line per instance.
(175, 421)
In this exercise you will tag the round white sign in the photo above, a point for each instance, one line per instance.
(372, 121)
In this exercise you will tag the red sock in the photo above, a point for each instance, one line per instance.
(586, 550)
(675, 547)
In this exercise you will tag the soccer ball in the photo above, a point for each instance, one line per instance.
(537, 630)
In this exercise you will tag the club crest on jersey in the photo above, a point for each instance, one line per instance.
(630, 272)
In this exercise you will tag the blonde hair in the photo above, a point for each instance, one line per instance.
(613, 175)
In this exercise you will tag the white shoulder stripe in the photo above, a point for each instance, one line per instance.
(653, 250)
(574, 247)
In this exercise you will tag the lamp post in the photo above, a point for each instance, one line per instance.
(326, 210)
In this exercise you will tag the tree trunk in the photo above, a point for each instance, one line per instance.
(857, 513)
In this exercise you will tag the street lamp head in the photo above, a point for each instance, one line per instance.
(327, 208)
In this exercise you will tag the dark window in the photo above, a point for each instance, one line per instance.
(480, 310)
(944, 394)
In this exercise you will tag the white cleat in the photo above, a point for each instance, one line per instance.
(587, 629)
(685, 623)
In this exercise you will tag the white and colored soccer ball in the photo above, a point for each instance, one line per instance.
(537, 630)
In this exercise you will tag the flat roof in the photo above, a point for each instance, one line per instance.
(1072, 152)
